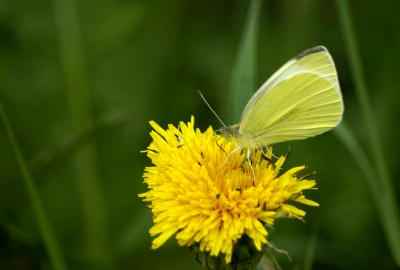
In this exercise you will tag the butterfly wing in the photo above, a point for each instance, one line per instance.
(301, 100)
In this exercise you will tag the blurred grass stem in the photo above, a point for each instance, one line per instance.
(312, 244)
(74, 67)
(244, 70)
(49, 238)
(50, 153)
(344, 133)
(389, 211)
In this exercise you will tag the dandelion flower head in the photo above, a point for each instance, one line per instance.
(205, 198)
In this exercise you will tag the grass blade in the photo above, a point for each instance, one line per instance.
(244, 70)
(312, 244)
(390, 212)
(344, 133)
(73, 142)
(53, 248)
(74, 70)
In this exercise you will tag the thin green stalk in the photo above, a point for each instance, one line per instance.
(49, 238)
(244, 71)
(73, 142)
(312, 244)
(344, 133)
(79, 100)
(390, 216)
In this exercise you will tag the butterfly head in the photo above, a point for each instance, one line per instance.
(230, 132)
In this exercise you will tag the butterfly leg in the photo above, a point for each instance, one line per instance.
(266, 147)
(234, 151)
(262, 150)
(220, 145)
(248, 159)
(264, 156)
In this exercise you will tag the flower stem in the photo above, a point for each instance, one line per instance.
(49, 238)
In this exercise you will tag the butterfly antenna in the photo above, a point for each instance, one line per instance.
(198, 91)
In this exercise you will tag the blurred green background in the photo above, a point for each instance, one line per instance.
(80, 80)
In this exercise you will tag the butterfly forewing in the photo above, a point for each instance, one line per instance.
(300, 100)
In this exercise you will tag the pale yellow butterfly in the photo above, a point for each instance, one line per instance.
(302, 99)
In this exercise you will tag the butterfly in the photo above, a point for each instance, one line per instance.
(302, 99)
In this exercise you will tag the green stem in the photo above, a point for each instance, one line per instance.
(312, 244)
(344, 133)
(390, 217)
(244, 71)
(79, 98)
(49, 238)
(51, 153)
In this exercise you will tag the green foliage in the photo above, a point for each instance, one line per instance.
(138, 61)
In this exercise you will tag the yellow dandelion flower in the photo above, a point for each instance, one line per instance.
(212, 201)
